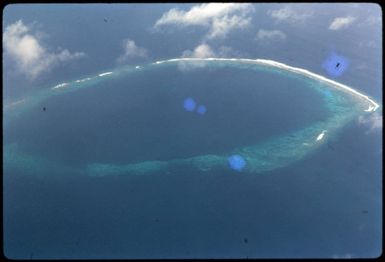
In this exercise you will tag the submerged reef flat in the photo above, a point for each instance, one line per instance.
(344, 103)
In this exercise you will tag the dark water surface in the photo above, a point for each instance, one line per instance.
(327, 205)
(323, 206)
(141, 117)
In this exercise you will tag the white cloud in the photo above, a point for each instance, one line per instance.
(220, 18)
(131, 50)
(266, 36)
(31, 57)
(205, 51)
(201, 51)
(373, 121)
(341, 22)
(289, 14)
(369, 22)
(223, 25)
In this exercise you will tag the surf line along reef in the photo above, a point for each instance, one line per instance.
(344, 103)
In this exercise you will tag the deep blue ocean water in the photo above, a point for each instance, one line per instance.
(328, 204)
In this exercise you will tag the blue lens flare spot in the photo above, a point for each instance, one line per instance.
(236, 162)
(189, 104)
(201, 109)
(335, 65)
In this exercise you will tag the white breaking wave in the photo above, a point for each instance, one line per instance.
(369, 109)
(297, 70)
(18, 102)
(60, 85)
(12, 104)
(83, 80)
(276, 153)
(320, 136)
(106, 73)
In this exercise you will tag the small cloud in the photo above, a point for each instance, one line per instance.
(373, 20)
(369, 22)
(373, 121)
(204, 51)
(220, 18)
(290, 14)
(201, 51)
(131, 50)
(223, 25)
(341, 22)
(29, 54)
(267, 36)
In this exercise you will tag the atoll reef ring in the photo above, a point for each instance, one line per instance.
(342, 104)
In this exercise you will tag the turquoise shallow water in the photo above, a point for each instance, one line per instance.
(327, 204)
(248, 118)
(164, 188)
